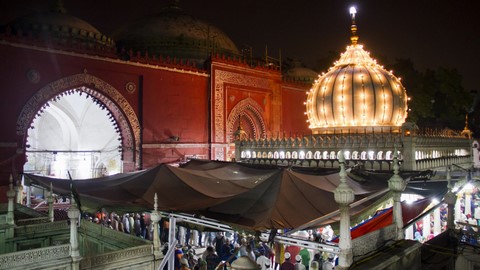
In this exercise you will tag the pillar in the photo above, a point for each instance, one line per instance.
(450, 199)
(344, 196)
(50, 200)
(29, 194)
(437, 222)
(171, 240)
(155, 217)
(73, 215)
(19, 191)
(11, 203)
(468, 200)
(397, 185)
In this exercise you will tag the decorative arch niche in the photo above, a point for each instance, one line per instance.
(107, 95)
(250, 115)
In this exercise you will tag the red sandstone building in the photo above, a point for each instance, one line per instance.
(167, 90)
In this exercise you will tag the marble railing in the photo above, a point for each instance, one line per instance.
(126, 257)
(34, 256)
(107, 233)
(30, 221)
(42, 228)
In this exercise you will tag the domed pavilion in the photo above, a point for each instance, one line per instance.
(356, 95)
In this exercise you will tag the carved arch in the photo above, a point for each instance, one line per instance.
(112, 99)
(251, 112)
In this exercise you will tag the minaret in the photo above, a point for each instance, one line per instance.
(397, 185)
(344, 196)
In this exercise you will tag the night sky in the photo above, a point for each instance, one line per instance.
(430, 33)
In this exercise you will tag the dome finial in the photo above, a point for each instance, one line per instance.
(353, 28)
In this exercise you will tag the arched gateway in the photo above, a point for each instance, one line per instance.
(105, 95)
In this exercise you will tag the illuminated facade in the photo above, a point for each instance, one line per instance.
(360, 108)
(161, 91)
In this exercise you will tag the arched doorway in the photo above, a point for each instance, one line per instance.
(249, 115)
(83, 121)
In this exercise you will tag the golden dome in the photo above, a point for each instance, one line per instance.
(356, 95)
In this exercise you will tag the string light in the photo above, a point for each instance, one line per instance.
(356, 90)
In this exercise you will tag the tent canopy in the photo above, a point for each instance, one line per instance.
(249, 196)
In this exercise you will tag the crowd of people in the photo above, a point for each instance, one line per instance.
(220, 249)
(223, 250)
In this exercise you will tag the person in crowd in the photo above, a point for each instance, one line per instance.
(228, 252)
(305, 254)
(131, 220)
(293, 250)
(211, 258)
(136, 225)
(329, 264)
(318, 258)
(178, 257)
(287, 264)
(298, 263)
(126, 223)
(184, 264)
(262, 260)
(219, 241)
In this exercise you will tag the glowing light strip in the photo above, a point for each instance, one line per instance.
(364, 113)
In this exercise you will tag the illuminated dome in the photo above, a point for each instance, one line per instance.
(356, 95)
(58, 28)
(298, 73)
(173, 33)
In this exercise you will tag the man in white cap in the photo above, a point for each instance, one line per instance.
(329, 264)
(298, 263)
(287, 264)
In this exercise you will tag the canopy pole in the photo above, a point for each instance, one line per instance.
(172, 241)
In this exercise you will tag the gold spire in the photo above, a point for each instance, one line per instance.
(466, 131)
(353, 28)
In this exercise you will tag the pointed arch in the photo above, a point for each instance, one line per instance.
(106, 94)
(249, 111)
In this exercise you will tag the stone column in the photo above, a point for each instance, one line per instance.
(437, 222)
(50, 201)
(29, 194)
(450, 199)
(11, 203)
(155, 217)
(344, 196)
(468, 200)
(171, 239)
(397, 186)
(73, 215)
(19, 191)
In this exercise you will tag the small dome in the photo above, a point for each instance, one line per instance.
(298, 73)
(62, 28)
(356, 94)
(173, 33)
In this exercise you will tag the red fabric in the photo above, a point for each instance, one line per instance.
(409, 212)
(377, 222)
